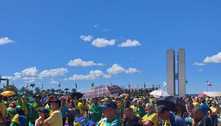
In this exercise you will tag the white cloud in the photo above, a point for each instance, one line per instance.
(92, 75)
(132, 70)
(17, 76)
(79, 77)
(81, 63)
(29, 78)
(117, 69)
(98, 42)
(199, 64)
(102, 42)
(86, 38)
(107, 76)
(53, 72)
(209, 59)
(54, 82)
(130, 43)
(30, 72)
(213, 59)
(7, 77)
(5, 40)
(95, 74)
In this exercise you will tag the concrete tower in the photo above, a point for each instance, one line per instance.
(181, 72)
(171, 72)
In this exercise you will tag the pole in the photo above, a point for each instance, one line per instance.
(41, 85)
(7, 82)
(207, 88)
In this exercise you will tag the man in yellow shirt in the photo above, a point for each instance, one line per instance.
(150, 120)
(55, 118)
(163, 115)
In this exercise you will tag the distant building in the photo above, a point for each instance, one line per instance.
(176, 72)
(171, 72)
(181, 72)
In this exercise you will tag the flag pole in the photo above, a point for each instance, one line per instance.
(207, 88)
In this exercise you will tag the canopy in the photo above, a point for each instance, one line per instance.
(159, 93)
(8, 93)
(212, 94)
(103, 91)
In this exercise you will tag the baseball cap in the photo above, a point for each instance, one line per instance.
(109, 105)
(44, 110)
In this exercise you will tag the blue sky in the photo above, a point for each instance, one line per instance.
(46, 35)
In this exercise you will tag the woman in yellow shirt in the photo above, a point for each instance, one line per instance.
(55, 118)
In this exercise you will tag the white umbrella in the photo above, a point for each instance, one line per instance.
(159, 93)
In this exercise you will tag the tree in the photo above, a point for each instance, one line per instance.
(32, 85)
(92, 84)
(73, 90)
(37, 90)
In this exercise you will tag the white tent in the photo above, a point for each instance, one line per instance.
(212, 94)
(159, 93)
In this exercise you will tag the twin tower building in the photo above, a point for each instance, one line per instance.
(176, 78)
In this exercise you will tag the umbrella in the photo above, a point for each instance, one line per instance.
(8, 93)
(159, 93)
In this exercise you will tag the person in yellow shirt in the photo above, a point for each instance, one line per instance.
(55, 118)
(80, 107)
(163, 116)
(150, 120)
(196, 102)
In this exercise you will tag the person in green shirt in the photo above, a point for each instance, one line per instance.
(95, 111)
(32, 114)
(19, 119)
(110, 115)
(140, 109)
(10, 112)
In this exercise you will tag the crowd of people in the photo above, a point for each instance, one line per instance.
(122, 110)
